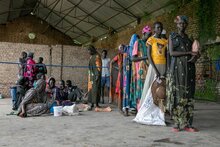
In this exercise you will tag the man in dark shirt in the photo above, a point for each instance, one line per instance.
(41, 67)
(21, 66)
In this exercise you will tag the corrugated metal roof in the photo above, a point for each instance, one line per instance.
(83, 19)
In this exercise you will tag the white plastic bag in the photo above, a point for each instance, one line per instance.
(149, 113)
(70, 110)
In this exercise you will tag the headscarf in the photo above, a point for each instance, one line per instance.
(50, 78)
(30, 54)
(146, 29)
(121, 48)
(91, 48)
(134, 38)
(181, 17)
(34, 94)
(40, 85)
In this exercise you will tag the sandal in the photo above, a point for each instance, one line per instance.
(191, 129)
(176, 129)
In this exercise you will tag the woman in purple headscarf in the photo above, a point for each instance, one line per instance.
(149, 113)
(139, 56)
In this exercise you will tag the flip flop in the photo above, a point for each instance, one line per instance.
(12, 113)
(176, 130)
(191, 129)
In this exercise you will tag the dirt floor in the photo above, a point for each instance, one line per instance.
(105, 129)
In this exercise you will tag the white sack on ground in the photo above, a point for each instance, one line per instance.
(149, 113)
(70, 110)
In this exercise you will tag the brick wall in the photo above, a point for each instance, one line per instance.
(80, 57)
(18, 30)
(71, 55)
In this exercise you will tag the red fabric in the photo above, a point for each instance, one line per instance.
(30, 68)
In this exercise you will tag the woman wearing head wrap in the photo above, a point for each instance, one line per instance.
(119, 82)
(94, 77)
(149, 113)
(53, 91)
(139, 65)
(181, 77)
(156, 57)
(35, 101)
(131, 77)
(30, 69)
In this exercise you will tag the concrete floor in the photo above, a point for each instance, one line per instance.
(105, 129)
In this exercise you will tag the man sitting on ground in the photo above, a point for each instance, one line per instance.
(73, 91)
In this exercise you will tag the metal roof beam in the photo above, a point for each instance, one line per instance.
(61, 28)
(66, 10)
(10, 5)
(14, 10)
(112, 16)
(168, 4)
(45, 3)
(70, 23)
(61, 5)
(67, 13)
(81, 19)
(116, 9)
(36, 6)
(90, 14)
(125, 9)
(57, 1)
(120, 10)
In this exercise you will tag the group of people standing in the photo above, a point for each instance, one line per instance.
(144, 62)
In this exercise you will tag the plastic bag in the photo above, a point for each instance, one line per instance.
(70, 110)
(149, 113)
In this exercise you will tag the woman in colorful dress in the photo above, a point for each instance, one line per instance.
(139, 59)
(132, 99)
(181, 77)
(30, 69)
(149, 113)
(126, 79)
(35, 102)
(156, 57)
(119, 83)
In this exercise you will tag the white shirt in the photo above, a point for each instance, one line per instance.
(105, 70)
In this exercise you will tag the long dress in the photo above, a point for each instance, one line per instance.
(119, 83)
(181, 80)
(139, 70)
(133, 39)
(149, 113)
(94, 85)
(126, 78)
(30, 71)
(159, 59)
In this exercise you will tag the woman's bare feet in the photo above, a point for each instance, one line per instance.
(22, 115)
